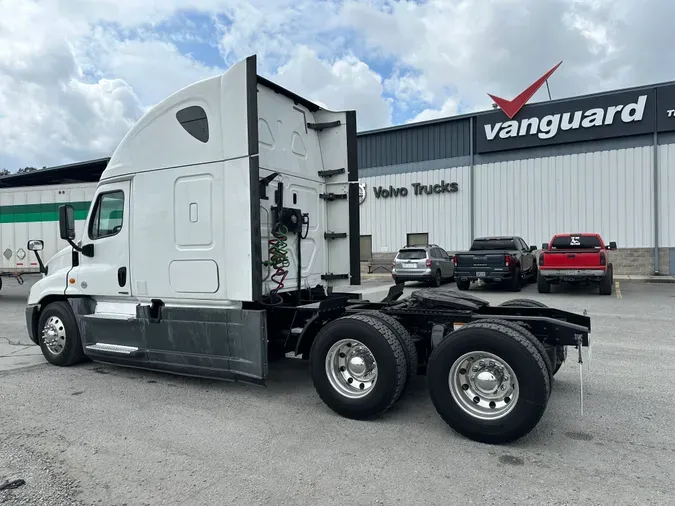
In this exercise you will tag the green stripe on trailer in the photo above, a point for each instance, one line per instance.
(31, 213)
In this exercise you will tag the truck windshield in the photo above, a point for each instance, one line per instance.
(493, 244)
(412, 254)
(576, 242)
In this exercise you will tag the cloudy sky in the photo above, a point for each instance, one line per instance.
(76, 74)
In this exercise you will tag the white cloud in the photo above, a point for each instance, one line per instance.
(449, 108)
(345, 83)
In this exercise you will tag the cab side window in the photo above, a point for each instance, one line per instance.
(108, 215)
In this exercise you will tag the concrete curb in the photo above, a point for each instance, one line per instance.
(644, 279)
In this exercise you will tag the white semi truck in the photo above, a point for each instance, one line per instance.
(225, 228)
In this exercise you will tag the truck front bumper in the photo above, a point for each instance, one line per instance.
(32, 316)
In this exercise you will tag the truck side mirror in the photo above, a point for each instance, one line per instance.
(544, 246)
(612, 245)
(35, 245)
(67, 222)
(533, 248)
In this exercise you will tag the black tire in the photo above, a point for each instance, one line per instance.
(560, 351)
(607, 281)
(437, 279)
(61, 315)
(463, 284)
(516, 283)
(0, 282)
(519, 327)
(522, 303)
(399, 282)
(535, 275)
(523, 358)
(403, 337)
(387, 351)
(543, 286)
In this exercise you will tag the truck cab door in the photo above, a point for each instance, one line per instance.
(104, 275)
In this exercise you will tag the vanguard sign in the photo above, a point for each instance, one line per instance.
(417, 188)
(615, 115)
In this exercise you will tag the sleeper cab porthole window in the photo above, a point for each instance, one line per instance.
(193, 119)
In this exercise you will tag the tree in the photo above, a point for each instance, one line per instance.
(4, 172)
(25, 170)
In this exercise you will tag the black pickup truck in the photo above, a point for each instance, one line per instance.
(496, 260)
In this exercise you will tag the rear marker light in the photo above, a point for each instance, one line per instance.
(428, 262)
(541, 258)
(507, 260)
(454, 260)
(603, 258)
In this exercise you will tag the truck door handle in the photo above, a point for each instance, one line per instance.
(122, 276)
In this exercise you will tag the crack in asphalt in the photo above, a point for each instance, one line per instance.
(13, 343)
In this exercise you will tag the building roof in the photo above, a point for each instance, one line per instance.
(80, 172)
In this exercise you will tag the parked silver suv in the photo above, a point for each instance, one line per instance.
(428, 263)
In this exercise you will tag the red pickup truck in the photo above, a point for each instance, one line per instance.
(576, 258)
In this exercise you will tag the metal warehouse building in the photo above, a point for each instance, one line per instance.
(598, 163)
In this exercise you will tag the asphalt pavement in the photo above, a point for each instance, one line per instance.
(98, 434)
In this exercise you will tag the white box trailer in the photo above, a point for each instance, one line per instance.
(32, 212)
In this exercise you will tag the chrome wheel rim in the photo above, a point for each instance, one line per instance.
(351, 368)
(483, 385)
(54, 335)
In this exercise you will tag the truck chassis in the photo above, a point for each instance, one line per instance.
(489, 368)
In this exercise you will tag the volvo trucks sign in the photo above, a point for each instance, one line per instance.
(615, 115)
(382, 192)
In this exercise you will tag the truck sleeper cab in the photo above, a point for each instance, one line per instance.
(224, 232)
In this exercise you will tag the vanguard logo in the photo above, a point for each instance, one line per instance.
(548, 126)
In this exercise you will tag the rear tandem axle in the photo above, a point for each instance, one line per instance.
(489, 368)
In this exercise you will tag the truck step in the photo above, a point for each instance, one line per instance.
(109, 316)
(118, 349)
(330, 172)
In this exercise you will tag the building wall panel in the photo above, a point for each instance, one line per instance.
(607, 192)
(428, 142)
(445, 217)
(666, 176)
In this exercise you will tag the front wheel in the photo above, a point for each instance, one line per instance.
(358, 366)
(488, 382)
(59, 336)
